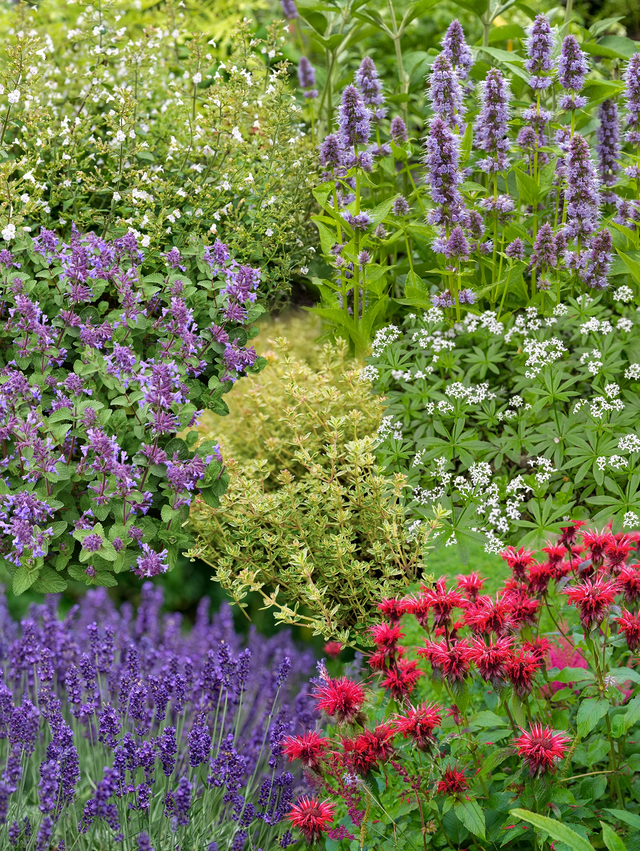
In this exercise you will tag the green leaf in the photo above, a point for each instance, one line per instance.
(24, 578)
(624, 674)
(611, 838)
(528, 189)
(555, 829)
(487, 719)
(590, 712)
(471, 816)
(631, 819)
(632, 265)
(49, 582)
(570, 675)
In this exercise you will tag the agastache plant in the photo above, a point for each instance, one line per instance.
(122, 730)
(101, 367)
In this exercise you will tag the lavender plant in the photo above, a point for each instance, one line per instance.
(101, 366)
(120, 730)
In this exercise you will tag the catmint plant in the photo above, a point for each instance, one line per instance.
(102, 367)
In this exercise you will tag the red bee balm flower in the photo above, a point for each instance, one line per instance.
(518, 561)
(392, 609)
(487, 615)
(521, 669)
(370, 748)
(618, 552)
(442, 602)
(592, 596)
(555, 553)
(491, 659)
(386, 638)
(542, 748)
(470, 585)
(309, 749)
(597, 543)
(630, 625)
(541, 574)
(419, 723)
(333, 649)
(342, 699)
(311, 817)
(452, 662)
(629, 582)
(402, 678)
(453, 782)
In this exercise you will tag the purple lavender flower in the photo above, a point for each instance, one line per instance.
(144, 842)
(445, 92)
(608, 147)
(399, 130)
(491, 127)
(456, 50)
(582, 193)
(307, 77)
(369, 84)
(572, 69)
(544, 254)
(539, 50)
(443, 299)
(466, 296)
(632, 81)
(599, 258)
(289, 9)
(355, 122)
(443, 172)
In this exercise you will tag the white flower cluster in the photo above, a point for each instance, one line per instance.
(545, 469)
(474, 394)
(384, 337)
(593, 360)
(623, 294)
(629, 443)
(541, 353)
(389, 428)
(633, 371)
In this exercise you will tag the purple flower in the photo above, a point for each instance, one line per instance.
(45, 832)
(400, 206)
(539, 51)
(144, 843)
(354, 121)
(466, 296)
(544, 249)
(582, 193)
(456, 50)
(445, 92)
(289, 9)
(515, 249)
(199, 742)
(307, 77)
(360, 222)
(369, 84)
(491, 127)
(151, 563)
(443, 299)
(443, 172)
(92, 543)
(599, 257)
(608, 146)
(632, 81)
(457, 246)
(572, 69)
(399, 130)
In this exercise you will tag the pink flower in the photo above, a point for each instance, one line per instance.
(542, 748)
(311, 817)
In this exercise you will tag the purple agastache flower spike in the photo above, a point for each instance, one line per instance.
(457, 245)
(355, 121)
(515, 249)
(632, 81)
(491, 127)
(544, 254)
(443, 172)
(307, 78)
(608, 147)
(599, 258)
(399, 130)
(289, 9)
(572, 69)
(539, 51)
(400, 206)
(582, 195)
(369, 84)
(456, 50)
(445, 93)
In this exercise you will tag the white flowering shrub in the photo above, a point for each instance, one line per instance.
(155, 131)
(514, 426)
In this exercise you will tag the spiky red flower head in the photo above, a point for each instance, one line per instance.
(452, 662)
(470, 584)
(453, 782)
(419, 606)
(333, 649)
(311, 817)
(629, 582)
(419, 723)
(561, 569)
(569, 534)
(521, 669)
(487, 615)
(593, 596)
(386, 638)
(524, 610)
(629, 624)
(379, 661)
(371, 748)
(442, 602)
(341, 699)
(617, 553)
(392, 609)
(540, 575)
(542, 748)
(401, 679)
(597, 543)
(538, 646)
(491, 658)
(555, 552)
(518, 561)
(309, 748)
(452, 631)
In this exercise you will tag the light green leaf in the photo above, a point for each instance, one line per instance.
(611, 838)
(555, 829)
(49, 582)
(570, 675)
(487, 718)
(471, 816)
(631, 819)
(590, 712)
(23, 578)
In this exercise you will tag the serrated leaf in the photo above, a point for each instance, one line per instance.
(555, 829)
(23, 579)
(471, 816)
(590, 712)
(49, 582)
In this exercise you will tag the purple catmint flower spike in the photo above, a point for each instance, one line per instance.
(289, 9)
(355, 120)
(582, 195)
(456, 50)
(572, 69)
(491, 127)
(608, 147)
(369, 84)
(599, 258)
(445, 92)
(443, 175)
(307, 78)
(399, 130)
(539, 51)
(632, 81)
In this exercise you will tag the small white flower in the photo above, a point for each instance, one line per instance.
(624, 294)
(8, 232)
(24, 198)
(268, 232)
(145, 242)
(120, 137)
(14, 96)
(197, 78)
(304, 270)
(237, 135)
(117, 196)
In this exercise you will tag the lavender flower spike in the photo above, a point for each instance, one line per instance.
(539, 50)
(355, 122)
(608, 146)
(443, 172)
(289, 9)
(582, 193)
(445, 92)
(599, 260)
(307, 78)
(491, 128)
(369, 84)
(456, 50)
(632, 80)
(572, 69)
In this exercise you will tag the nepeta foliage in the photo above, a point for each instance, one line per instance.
(156, 130)
(479, 713)
(309, 521)
(100, 367)
(514, 426)
(122, 731)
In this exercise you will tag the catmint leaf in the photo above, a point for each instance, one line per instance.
(23, 578)
(49, 582)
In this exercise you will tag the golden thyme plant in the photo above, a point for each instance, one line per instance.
(308, 520)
